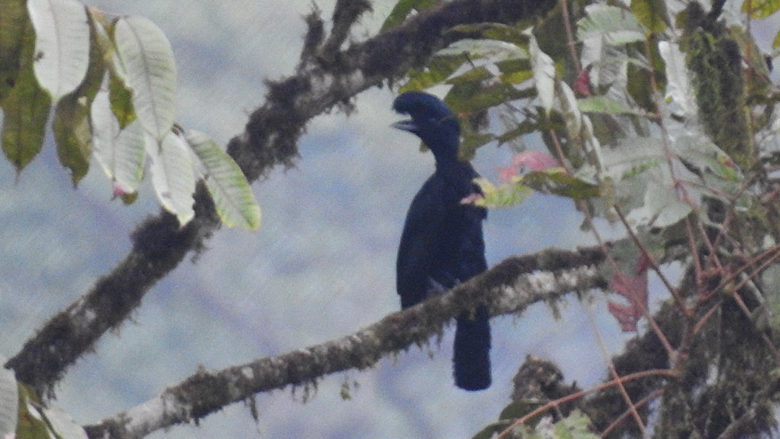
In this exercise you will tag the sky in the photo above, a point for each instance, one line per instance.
(321, 266)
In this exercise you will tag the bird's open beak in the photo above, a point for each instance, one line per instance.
(406, 125)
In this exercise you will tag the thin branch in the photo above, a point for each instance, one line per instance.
(580, 394)
(508, 288)
(616, 377)
(642, 402)
(675, 294)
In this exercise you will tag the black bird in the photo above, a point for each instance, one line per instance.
(442, 241)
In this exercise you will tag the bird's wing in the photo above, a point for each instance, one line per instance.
(418, 248)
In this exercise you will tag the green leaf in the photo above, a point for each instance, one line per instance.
(232, 195)
(438, 69)
(61, 44)
(525, 127)
(558, 182)
(72, 135)
(495, 31)
(640, 88)
(147, 57)
(403, 8)
(173, 176)
(501, 196)
(476, 74)
(121, 153)
(603, 104)
(760, 8)
(471, 97)
(31, 424)
(651, 14)
(776, 41)
(515, 71)
(121, 99)
(9, 401)
(615, 25)
(471, 141)
(13, 22)
(491, 430)
(25, 111)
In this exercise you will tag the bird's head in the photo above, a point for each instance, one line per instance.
(431, 121)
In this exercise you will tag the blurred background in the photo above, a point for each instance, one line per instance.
(321, 266)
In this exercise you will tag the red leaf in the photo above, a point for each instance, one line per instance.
(471, 199)
(507, 174)
(582, 83)
(633, 288)
(535, 160)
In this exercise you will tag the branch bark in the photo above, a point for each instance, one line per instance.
(508, 288)
(270, 139)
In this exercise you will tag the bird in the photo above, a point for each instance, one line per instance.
(442, 242)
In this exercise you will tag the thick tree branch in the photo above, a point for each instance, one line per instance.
(270, 139)
(508, 288)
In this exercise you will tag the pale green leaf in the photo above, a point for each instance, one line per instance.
(646, 176)
(678, 85)
(121, 153)
(173, 175)
(543, 69)
(776, 41)
(493, 50)
(232, 195)
(615, 25)
(569, 110)
(72, 131)
(61, 44)
(702, 154)
(147, 58)
(633, 157)
(603, 104)
(9, 401)
(664, 205)
(62, 425)
(574, 426)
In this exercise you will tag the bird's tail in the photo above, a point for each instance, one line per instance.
(471, 359)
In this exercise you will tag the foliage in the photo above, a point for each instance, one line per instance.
(112, 83)
(661, 117)
(656, 116)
